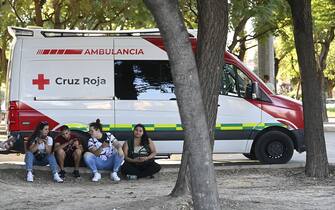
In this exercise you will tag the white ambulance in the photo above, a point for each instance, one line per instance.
(124, 78)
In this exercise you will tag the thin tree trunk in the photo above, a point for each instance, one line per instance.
(3, 65)
(57, 7)
(323, 95)
(243, 50)
(316, 154)
(298, 90)
(189, 98)
(38, 13)
(212, 37)
(322, 64)
(330, 87)
(3, 59)
(183, 185)
(238, 29)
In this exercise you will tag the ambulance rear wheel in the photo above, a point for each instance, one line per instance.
(274, 147)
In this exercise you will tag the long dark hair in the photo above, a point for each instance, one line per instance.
(96, 125)
(37, 132)
(144, 137)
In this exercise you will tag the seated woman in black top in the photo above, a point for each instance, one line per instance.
(139, 155)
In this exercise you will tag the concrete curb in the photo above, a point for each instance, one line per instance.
(329, 127)
(165, 168)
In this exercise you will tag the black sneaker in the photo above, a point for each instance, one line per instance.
(76, 173)
(62, 174)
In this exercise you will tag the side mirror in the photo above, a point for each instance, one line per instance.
(256, 93)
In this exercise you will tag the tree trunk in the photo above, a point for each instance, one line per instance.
(276, 65)
(330, 87)
(183, 185)
(189, 98)
(3, 65)
(298, 90)
(57, 7)
(212, 36)
(3, 59)
(316, 155)
(323, 96)
(322, 64)
(38, 13)
(211, 45)
(237, 30)
(243, 50)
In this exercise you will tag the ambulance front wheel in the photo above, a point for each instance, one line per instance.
(274, 147)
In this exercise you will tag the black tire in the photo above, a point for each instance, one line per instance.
(274, 147)
(250, 156)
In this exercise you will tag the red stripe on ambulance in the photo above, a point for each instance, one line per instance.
(73, 52)
(60, 52)
(53, 51)
(46, 52)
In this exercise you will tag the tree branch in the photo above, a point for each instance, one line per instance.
(189, 3)
(325, 49)
(15, 11)
(247, 48)
(240, 26)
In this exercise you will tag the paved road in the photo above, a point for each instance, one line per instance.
(330, 144)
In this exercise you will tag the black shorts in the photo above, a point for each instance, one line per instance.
(69, 160)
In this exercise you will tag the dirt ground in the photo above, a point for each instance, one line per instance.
(239, 189)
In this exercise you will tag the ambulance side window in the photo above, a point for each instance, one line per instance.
(143, 80)
(234, 82)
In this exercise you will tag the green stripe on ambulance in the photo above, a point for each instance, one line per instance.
(177, 127)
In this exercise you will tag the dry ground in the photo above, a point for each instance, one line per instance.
(239, 189)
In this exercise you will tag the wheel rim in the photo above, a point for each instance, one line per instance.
(275, 149)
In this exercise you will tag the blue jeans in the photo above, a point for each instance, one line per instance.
(96, 163)
(48, 159)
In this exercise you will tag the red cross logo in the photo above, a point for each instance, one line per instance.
(40, 81)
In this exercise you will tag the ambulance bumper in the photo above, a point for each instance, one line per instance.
(299, 140)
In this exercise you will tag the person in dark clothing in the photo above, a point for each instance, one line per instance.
(139, 153)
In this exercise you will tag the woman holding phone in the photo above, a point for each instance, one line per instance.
(39, 152)
(105, 152)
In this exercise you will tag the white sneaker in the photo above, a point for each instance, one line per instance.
(57, 178)
(96, 177)
(115, 177)
(30, 176)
